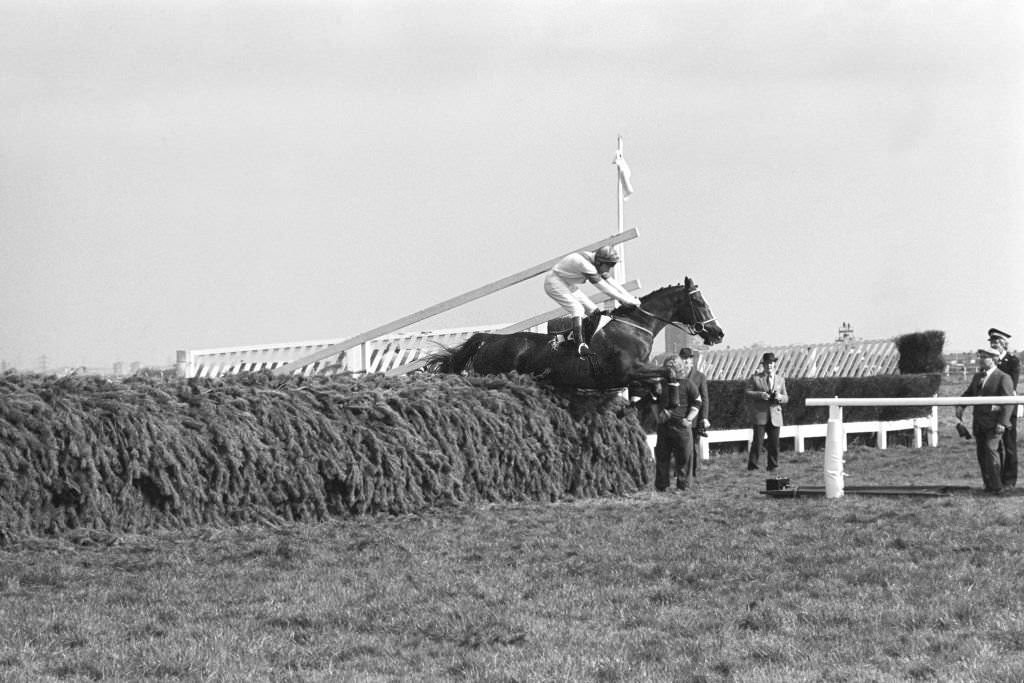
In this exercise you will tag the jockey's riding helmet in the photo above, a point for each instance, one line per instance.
(606, 254)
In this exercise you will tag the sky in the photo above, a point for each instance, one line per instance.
(192, 175)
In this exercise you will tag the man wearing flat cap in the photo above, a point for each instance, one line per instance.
(701, 422)
(999, 342)
(766, 393)
(990, 421)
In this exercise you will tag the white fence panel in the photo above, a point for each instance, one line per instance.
(839, 359)
(377, 355)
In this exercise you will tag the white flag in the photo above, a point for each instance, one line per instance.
(627, 188)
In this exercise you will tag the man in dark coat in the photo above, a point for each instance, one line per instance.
(990, 421)
(677, 408)
(1009, 363)
(701, 422)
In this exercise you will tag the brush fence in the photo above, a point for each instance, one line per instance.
(82, 452)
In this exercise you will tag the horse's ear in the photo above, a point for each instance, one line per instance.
(688, 281)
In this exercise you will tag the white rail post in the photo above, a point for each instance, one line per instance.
(835, 439)
(933, 427)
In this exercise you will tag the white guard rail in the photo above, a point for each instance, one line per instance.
(835, 437)
(799, 433)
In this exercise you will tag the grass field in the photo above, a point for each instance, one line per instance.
(717, 584)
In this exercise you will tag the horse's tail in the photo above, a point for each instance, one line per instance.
(455, 360)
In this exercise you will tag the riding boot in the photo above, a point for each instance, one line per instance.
(577, 334)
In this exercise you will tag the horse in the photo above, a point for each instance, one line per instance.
(619, 351)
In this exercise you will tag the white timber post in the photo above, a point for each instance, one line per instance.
(933, 428)
(835, 439)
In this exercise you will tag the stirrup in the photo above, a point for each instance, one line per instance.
(583, 350)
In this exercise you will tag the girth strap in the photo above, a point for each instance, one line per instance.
(627, 321)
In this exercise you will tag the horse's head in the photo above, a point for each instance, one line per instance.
(702, 319)
(689, 307)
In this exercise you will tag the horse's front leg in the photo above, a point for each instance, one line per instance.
(645, 372)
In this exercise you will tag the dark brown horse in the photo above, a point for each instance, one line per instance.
(619, 351)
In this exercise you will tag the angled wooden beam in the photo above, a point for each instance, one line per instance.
(630, 286)
(448, 304)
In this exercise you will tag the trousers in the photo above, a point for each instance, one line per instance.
(760, 433)
(672, 456)
(1008, 461)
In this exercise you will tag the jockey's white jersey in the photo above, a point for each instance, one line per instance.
(577, 268)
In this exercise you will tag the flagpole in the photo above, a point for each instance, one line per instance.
(620, 269)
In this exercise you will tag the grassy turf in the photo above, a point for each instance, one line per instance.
(719, 584)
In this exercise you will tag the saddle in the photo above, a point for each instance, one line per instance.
(591, 323)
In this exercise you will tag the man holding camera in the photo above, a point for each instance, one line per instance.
(766, 394)
(701, 422)
(679, 403)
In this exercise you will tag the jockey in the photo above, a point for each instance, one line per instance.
(563, 281)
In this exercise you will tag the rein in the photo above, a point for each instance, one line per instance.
(690, 328)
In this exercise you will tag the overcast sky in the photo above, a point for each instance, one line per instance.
(187, 175)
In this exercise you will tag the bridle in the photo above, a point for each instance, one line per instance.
(694, 328)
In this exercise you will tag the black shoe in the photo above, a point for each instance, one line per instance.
(751, 468)
(772, 469)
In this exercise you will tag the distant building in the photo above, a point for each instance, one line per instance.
(845, 333)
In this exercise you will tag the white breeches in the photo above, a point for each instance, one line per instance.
(568, 296)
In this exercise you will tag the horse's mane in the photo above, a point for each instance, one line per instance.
(649, 295)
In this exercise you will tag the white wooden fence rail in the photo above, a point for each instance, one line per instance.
(926, 425)
(381, 349)
(375, 355)
(835, 436)
(393, 354)
(438, 308)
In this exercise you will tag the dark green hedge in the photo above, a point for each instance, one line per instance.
(140, 454)
(729, 410)
(921, 352)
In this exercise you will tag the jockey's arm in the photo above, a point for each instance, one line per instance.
(612, 288)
